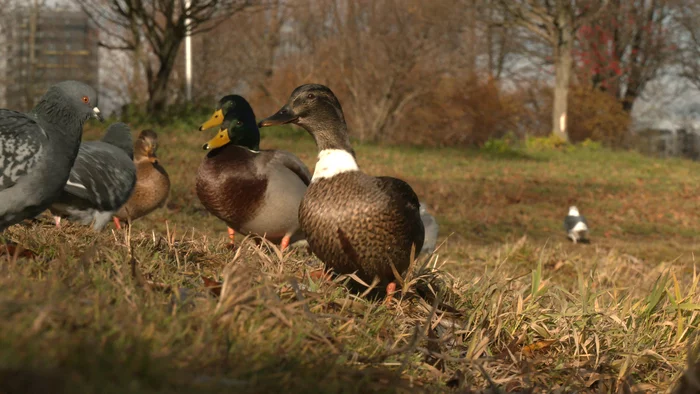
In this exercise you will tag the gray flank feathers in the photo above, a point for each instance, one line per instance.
(431, 230)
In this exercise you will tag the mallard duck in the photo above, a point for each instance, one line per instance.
(353, 222)
(152, 182)
(253, 191)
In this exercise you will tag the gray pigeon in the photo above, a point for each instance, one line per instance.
(431, 230)
(575, 225)
(37, 150)
(101, 180)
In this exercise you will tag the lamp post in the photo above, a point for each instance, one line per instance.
(188, 54)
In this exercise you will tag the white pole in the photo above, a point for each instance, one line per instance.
(188, 55)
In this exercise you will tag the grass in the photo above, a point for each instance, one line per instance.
(130, 312)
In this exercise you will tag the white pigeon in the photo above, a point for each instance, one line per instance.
(575, 225)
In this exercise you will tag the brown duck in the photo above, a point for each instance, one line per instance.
(253, 191)
(353, 222)
(152, 182)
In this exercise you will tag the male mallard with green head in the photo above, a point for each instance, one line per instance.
(353, 222)
(253, 191)
(152, 182)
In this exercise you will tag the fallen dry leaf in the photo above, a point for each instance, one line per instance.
(19, 251)
(213, 286)
(529, 350)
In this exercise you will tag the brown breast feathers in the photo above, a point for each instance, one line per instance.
(228, 185)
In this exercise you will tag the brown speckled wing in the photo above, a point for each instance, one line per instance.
(405, 201)
(151, 191)
(358, 223)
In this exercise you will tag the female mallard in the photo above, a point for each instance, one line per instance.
(353, 222)
(253, 191)
(152, 182)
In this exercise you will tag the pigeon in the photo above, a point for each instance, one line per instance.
(431, 230)
(101, 181)
(576, 226)
(38, 149)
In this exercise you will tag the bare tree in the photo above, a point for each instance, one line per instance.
(556, 22)
(245, 48)
(383, 56)
(687, 18)
(627, 46)
(155, 30)
(379, 57)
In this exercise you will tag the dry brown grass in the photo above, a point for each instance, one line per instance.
(520, 308)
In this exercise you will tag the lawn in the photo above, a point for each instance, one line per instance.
(507, 303)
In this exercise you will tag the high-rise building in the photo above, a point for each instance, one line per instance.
(44, 46)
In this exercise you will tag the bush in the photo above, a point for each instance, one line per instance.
(506, 146)
(597, 116)
(549, 142)
(465, 111)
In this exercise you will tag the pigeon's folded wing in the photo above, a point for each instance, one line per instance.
(570, 222)
(101, 178)
(20, 146)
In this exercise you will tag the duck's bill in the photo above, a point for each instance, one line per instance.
(97, 114)
(218, 141)
(215, 120)
(282, 116)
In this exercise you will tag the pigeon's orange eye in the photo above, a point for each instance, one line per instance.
(86, 99)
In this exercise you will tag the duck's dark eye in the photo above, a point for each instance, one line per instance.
(311, 96)
(239, 123)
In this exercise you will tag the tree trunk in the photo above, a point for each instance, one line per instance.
(158, 83)
(563, 63)
(158, 94)
(635, 84)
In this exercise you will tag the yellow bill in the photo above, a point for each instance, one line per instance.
(215, 120)
(218, 141)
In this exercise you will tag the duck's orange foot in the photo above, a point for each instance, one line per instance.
(319, 274)
(231, 233)
(390, 290)
(285, 242)
(117, 223)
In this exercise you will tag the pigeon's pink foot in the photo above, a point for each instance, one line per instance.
(57, 220)
(390, 290)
